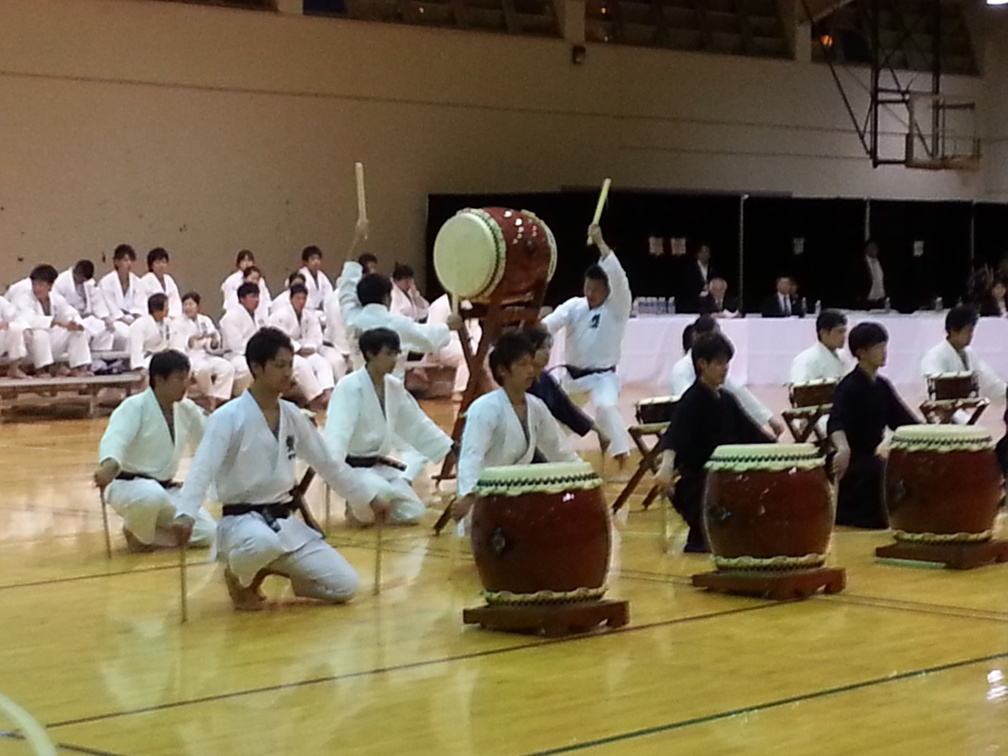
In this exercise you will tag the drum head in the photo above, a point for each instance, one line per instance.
(469, 254)
(937, 437)
(742, 457)
(516, 480)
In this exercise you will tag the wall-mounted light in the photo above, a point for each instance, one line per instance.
(997, 2)
(578, 54)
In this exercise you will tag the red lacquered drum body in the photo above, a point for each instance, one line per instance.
(540, 533)
(943, 484)
(768, 507)
(494, 250)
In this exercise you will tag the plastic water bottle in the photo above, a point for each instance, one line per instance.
(804, 307)
(818, 306)
(635, 307)
(671, 305)
(887, 307)
(939, 304)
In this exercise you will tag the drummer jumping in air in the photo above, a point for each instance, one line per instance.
(706, 418)
(593, 328)
(507, 426)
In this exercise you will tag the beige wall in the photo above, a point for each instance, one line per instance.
(206, 130)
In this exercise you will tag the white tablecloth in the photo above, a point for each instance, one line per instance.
(764, 348)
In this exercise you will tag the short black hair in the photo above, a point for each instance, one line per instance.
(157, 302)
(537, 336)
(510, 347)
(865, 336)
(298, 289)
(827, 320)
(687, 338)
(374, 288)
(709, 347)
(243, 255)
(596, 273)
(163, 364)
(194, 296)
(297, 274)
(44, 272)
(123, 251)
(265, 344)
(158, 253)
(401, 272)
(367, 258)
(310, 251)
(960, 317)
(84, 268)
(372, 340)
(705, 324)
(250, 270)
(246, 289)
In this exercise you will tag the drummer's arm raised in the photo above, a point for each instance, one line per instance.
(619, 285)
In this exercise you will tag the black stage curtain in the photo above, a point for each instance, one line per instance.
(807, 239)
(990, 234)
(942, 270)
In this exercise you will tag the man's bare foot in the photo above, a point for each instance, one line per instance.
(244, 599)
(14, 371)
(135, 545)
(81, 372)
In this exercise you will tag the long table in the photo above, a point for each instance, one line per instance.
(764, 348)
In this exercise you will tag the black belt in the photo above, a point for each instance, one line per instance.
(355, 460)
(166, 484)
(576, 372)
(269, 512)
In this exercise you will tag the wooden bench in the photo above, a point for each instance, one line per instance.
(47, 392)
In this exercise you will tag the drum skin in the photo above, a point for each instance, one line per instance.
(534, 542)
(944, 493)
(529, 258)
(767, 514)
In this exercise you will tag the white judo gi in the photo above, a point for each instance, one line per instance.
(90, 303)
(48, 343)
(138, 439)
(314, 373)
(229, 291)
(147, 337)
(494, 437)
(943, 358)
(128, 305)
(684, 375)
(214, 375)
(318, 288)
(151, 285)
(820, 363)
(593, 339)
(410, 304)
(452, 354)
(251, 465)
(12, 332)
(357, 424)
(237, 327)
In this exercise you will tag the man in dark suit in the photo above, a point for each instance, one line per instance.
(696, 278)
(717, 302)
(782, 304)
(869, 279)
(994, 304)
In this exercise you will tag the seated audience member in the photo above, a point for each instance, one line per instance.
(864, 403)
(369, 412)
(251, 275)
(406, 300)
(12, 339)
(159, 281)
(229, 287)
(782, 303)
(316, 281)
(54, 333)
(139, 455)
(237, 327)
(706, 417)
(150, 334)
(123, 290)
(716, 301)
(825, 360)
(77, 286)
(313, 373)
(368, 262)
(452, 355)
(283, 298)
(197, 337)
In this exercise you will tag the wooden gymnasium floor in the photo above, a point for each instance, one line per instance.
(908, 660)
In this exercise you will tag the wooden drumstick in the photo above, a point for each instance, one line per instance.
(361, 196)
(183, 582)
(603, 196)
(379, 531)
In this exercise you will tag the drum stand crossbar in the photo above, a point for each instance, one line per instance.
(777, 585)
(550, 620)
(957, 556)
(494, 318)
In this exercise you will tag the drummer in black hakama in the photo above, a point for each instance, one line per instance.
(706, 417)
(560, 405)
(864, 403)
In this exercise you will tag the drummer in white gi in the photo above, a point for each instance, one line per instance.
(507, 426)
(593, 340)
